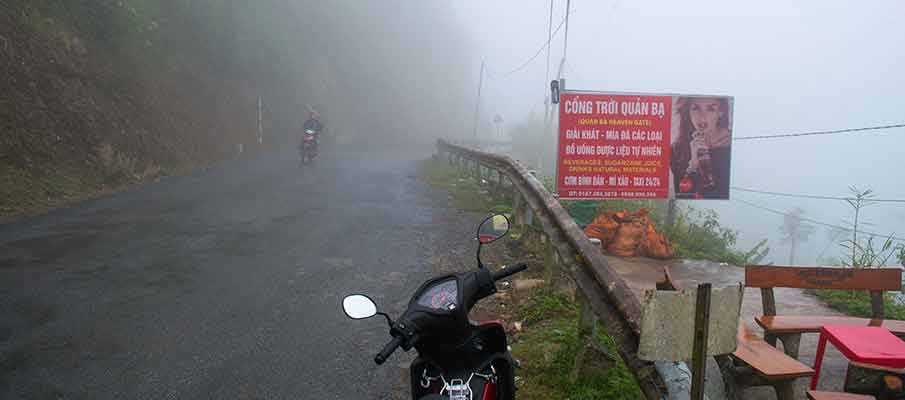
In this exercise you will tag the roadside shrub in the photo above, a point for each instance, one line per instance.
(118, 167)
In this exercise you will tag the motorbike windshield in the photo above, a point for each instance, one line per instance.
(440, 296)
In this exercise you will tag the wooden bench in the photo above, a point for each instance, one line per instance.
(817, 395)
(789, 328)
(762, 365)
(754, 362)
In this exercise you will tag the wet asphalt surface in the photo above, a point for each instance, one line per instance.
(223, 284)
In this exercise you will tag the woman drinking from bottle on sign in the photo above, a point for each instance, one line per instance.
(701, 148)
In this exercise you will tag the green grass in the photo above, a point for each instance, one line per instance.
(44, 187)
(857, 303)
(548, 347)
(546, 305)
(39, 188)
(467, 194)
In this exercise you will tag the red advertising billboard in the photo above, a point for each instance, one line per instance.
(643, 146)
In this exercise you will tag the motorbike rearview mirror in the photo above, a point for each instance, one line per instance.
(359, 306)
(493, 228)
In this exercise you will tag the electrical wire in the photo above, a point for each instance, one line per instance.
(813, 221)
(808, 196)
(540, 50)
(851, 130)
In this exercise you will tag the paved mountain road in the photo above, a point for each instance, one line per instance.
(222, 284)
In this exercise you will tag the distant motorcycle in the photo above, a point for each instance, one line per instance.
(457, 359)
(308, 148)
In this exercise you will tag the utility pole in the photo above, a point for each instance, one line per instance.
(549, 39)
(554, 113)
(540, 141)
(477, 106)
(565, 45)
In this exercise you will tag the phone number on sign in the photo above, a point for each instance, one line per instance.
(608, 194)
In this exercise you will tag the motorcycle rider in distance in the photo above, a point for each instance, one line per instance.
(313, 123)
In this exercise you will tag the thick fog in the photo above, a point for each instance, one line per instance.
(791, 66)
(383, 72)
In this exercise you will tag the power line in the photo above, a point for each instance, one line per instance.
(809, 196)
(785, 135)
(813, 221)
(540, 50)
(573, 72)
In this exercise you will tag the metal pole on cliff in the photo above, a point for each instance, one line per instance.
(260, 120)
(477, 106)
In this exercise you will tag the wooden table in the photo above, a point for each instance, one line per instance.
(864, 344)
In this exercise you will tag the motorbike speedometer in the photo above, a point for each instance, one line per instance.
(441, 296)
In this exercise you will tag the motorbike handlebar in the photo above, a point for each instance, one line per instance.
(509, 271)
(381, 357)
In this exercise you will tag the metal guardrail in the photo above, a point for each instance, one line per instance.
(607, 294)
(490, 146)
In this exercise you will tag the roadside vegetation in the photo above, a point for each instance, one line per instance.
(857, 303)
(547, 341)
(867, 254)
(547, 350)
(864, 252)
(464, 189)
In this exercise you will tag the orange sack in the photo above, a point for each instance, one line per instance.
(655, 245)
(603, 228)
(628, 237)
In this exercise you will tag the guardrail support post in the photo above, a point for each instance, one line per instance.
(549, 259)
(517, 204)
(587, 339)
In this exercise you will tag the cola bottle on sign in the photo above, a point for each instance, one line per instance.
(705, 168)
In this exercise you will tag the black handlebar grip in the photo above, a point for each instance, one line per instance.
(509, 271)
(381, 357)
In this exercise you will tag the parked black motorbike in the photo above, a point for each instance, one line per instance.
(457, 359)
